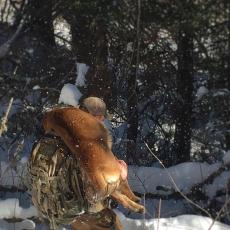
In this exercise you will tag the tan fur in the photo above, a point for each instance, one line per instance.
(88, 139)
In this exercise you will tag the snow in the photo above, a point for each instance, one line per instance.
(165, 35)
(36, 87)
(226, 158)
(129, 47)
(142, 179)
(10, 209)
(82, 69)
(221, 92)
(70, 95)
(62, 31)
(23, 225)
(219, 184)
(183, 222)
(202, 90)
(185, 175)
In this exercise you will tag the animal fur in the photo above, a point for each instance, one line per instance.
(89, 141)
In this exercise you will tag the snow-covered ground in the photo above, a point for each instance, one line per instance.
(10, 208)
(183, 222)
(143, 180)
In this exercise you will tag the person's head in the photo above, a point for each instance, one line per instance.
(94, 106)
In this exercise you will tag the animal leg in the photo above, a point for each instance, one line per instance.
(126, 202)
(126, 190)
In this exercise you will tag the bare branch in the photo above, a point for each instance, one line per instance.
(5, 47)
(219, 213)
(3, 126)
(175, 185)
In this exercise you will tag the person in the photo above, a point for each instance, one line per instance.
(94, 106)
(56, 183)
(97, 107)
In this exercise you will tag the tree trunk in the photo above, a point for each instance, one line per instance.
(90, 45)
(132, 118)
(40, 24)
(182, 138)
(132, 102)
(99, 77)
(228, 55)
(81, 39)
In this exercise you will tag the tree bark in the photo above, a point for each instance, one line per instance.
(132, 102)
(81, 39)
(99, 77)
(132, 118)
(40, 23)
(228, 56)
(182, 138)
(90, 46)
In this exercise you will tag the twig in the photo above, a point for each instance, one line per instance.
(5, 47)
(219, 213)
(146, 212)
(175, 185)
(3, 127)
(138, 40)
(159, 214)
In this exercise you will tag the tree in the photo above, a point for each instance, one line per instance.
(40, 21)
(182, 138)
(89, 27)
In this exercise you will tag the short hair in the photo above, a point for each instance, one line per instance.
(94, 105)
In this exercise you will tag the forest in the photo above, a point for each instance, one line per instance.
(162, 67)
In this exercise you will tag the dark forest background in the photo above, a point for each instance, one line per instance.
(161, 66)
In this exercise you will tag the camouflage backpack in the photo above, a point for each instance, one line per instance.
(55, 182)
